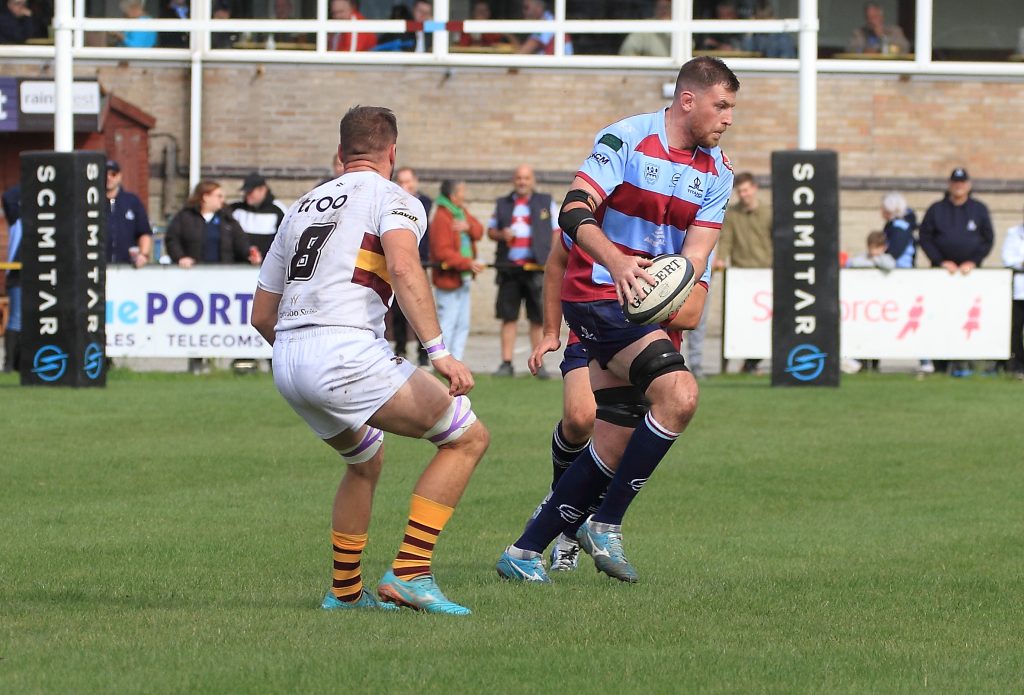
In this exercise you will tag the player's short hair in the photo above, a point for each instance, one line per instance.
(704, 72)
(877, 238)
(201, 190)
(366, 130)
(742, 178)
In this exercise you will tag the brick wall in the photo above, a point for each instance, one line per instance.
(891, 132)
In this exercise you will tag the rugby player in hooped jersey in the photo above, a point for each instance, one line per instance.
(323, 290)
(655, 183)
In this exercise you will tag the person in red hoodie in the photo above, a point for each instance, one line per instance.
(349, 9)
(453, 236)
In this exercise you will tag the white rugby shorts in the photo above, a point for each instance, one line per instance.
(336, 378)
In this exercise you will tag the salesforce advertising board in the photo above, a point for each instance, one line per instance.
(170, 312)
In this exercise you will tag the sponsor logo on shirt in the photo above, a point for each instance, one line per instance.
(600, 158)
(695, 189)
(651, 172)
(406, 214)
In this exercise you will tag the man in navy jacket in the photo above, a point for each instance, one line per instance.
(956, 233)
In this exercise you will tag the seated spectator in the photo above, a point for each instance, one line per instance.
(481, 11)
(348, 41)
(404, 41)
(453, 236)
(174, 9)
(203, 232)
(541, 43)
(875, 36)
(1013, 258)
(900, 224)
(134, 9)
(423, 11)
(15, 22)
(658, 45)
(223, 39)
(721, 42)
(769, 45)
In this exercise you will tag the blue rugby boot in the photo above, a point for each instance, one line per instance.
(565, 554)
(365, 600)
(521, 566)
(603, 542)
(419, 593)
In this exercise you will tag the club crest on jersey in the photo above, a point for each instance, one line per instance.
(651, 172)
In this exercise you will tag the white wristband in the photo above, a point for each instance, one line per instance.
(436, 349)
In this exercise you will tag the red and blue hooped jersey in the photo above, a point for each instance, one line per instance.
(653, 193)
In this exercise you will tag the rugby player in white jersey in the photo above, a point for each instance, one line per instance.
(655, 183)
(323, 290)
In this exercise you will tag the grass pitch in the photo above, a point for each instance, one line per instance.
(169, 534)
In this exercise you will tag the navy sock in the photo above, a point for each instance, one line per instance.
(577, 489)
(570, 530)
(648, 445)
(563, 453)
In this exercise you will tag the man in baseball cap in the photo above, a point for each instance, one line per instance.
(129, 235)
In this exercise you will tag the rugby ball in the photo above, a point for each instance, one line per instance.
(674, 278)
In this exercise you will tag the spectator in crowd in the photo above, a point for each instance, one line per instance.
(769, 45)
(11, 201)
(481, 11)
(135, 9)
(1013, 258)
(223, 39)
(174, 9)
(745, 242)
(348, 41)
(875, 36)
(900, 223)
(42, 18)
(337, 169)
(541, 43)
(522, 225)
(875, 257)
(423, 11)
(453, 236)
(956, 234)
(203, 232)
(12, 336)
(402, 41)
(129, 236)
(259, 213)
(407, 179)
(721, 42)
(657, 45)
(15, 22)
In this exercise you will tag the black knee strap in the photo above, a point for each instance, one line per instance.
(660, 357)
(624, 406)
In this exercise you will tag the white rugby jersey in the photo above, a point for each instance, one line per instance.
(327, 261)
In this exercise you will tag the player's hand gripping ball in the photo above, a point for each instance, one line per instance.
(674, 279)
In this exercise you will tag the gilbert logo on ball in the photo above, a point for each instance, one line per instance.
(674, 279)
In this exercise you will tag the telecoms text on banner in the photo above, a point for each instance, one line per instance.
(170, 312)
